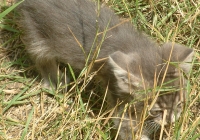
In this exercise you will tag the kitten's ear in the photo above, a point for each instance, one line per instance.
(119, 63)
(180, 54)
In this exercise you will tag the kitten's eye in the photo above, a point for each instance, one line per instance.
(155, 113)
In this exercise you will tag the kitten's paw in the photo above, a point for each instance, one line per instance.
(47, 85)
(144, 137)
(60, 86)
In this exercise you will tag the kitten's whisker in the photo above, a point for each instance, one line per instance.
(151, 126)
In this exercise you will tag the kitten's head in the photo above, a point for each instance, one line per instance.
(158, 77)
(172, 81)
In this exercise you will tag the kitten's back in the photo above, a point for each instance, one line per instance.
(65, 28)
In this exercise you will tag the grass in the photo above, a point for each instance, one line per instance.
(28, 111)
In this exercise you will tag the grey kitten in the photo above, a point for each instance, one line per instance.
(69, 31)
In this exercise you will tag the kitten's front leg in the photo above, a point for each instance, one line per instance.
(50, 73)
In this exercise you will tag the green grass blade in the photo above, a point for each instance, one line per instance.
(12, 102)
(7, 27)
(24, 133)
(4, 13)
